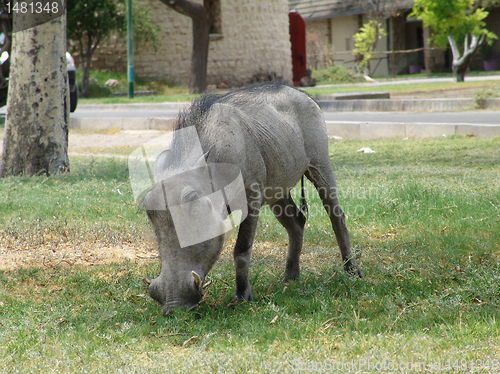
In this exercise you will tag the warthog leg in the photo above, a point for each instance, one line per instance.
(323, 179)
(242, 252)
(292, 219)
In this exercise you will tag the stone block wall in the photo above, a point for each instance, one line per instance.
(254, 40)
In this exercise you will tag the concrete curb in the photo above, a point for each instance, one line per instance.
(401, 105)
(134, 107)
(383, 130)
(160, 124)
(372, 105)
(354, 96)
(346, 130)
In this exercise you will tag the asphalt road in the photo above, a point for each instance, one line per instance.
(480, 117)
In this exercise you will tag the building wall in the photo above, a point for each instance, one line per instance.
(405, 36)
(343, 30)
(435, 59)
(331, 41)
(318, 44)
(487, 52)
(255, 41)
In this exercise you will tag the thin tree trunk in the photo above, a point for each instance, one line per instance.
(36, 130)
(86, 67)
(92, 44)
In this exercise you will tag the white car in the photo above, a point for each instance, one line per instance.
(73, 84)
(70, 64)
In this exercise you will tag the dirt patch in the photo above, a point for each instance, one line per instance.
(15, 254)
(47, 255)
(80, 140)
(105, 139)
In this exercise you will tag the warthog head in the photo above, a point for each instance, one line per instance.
(189, 214)
(189, 226)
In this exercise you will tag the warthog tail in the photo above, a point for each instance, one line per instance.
(303, 203)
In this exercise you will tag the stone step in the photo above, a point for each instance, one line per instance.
(355, 96)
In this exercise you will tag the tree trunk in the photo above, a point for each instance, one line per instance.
(201, 27)
(36, 129)
(461, 63)
(86, 56)
(86, 73)
(459, 70)
(199, 55)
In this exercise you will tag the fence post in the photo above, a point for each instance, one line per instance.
(392, 65)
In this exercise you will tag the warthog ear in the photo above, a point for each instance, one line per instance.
(197, 281)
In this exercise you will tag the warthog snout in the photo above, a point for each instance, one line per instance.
(185, 295)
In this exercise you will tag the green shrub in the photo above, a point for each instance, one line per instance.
(160, 86)
(336, 75)
(480, 96)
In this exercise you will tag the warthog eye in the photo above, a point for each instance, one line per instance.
(188, 195)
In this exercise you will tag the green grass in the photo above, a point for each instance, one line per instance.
(404, 88)
(90, 203)
(424, 219)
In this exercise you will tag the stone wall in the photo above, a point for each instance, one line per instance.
(254, 41)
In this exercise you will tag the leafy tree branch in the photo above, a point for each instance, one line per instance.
(452, 21)
(91, 21)
(365, 42)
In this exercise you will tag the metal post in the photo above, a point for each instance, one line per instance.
(130, 50)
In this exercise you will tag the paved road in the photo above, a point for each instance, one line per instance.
(490, 117)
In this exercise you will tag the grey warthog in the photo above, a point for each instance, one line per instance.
(271, 135)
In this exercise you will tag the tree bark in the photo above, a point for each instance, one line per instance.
(201, 27)
(36, 129)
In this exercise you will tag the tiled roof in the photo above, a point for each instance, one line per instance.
(312, 10)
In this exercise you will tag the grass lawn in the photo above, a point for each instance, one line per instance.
(170, 92)
(100, 94)
(391, 88)
(406, 88)
(424, 219)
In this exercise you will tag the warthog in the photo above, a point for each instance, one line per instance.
(272, 135)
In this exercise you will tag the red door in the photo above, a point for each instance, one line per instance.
(298, 40)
